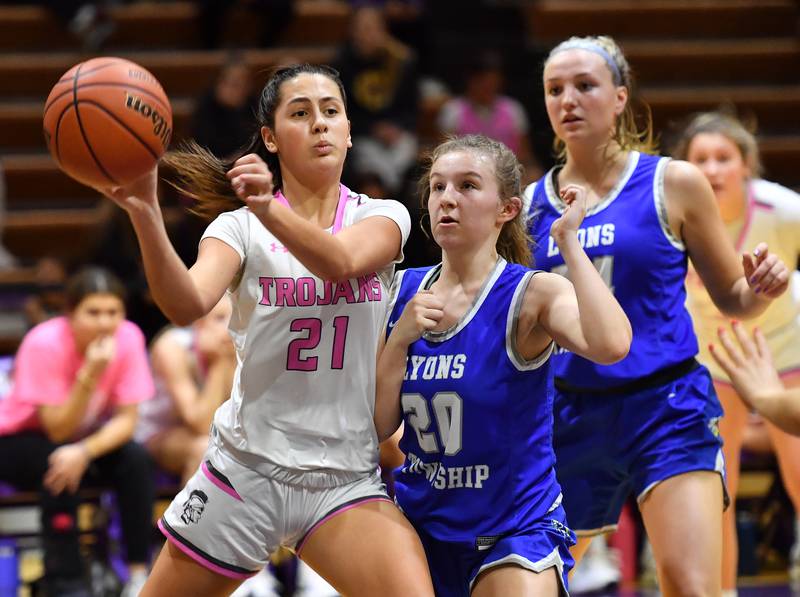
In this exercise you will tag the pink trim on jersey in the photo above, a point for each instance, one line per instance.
(344, 197)
(200, 559)
(313, 529)
(211, 477)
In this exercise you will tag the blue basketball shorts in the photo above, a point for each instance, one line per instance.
(455, 566)
(608, 447)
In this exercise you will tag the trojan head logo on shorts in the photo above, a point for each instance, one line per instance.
(194, 506)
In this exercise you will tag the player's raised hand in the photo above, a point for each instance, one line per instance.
(252, 181)
(766, 274)
(748, 363)
(141, 193)
(422, 313)
(575, 198)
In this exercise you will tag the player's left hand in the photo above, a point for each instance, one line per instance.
(765, 273)
(67, 465)
(748, 363)
(252, 182)
(575, 198)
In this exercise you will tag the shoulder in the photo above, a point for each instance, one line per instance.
(545, 286)
(680, 176)
(362, 206)
(776, 196)
(685, 187)
(129, 334)
(50, 334)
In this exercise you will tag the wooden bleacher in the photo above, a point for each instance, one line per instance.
(688, 55)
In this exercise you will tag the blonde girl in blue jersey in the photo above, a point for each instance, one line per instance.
(753, 210)
(648, 424)
(293, 453)
(478, 483)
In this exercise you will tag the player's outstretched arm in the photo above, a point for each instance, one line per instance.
(748, 363)
(183, 295)
(739, 289)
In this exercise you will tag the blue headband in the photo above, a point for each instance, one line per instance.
(594, 48)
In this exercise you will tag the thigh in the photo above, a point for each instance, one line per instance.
(514, 580)
(787, 450)
(24, 459)
(172, 448)
(683, 519)
(175, 574)
(731, 428)
(369, 549)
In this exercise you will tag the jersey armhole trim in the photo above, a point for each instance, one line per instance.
(512, 321)
(659, 198)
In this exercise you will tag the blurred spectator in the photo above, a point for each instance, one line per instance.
(484, 109)
(7, 260)
(275, 15)
(49, 298)
(193, 369)
(380, 78)
(87, 21)
(223, 118)
(68, 422)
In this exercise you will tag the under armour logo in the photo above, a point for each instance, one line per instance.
(276, 248)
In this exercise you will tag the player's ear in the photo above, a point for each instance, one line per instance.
(269, 139)
(509, 209)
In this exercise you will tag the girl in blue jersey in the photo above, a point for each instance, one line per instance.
(647, 424)
(466, 366)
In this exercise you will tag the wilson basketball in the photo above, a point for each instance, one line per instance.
(107, 121)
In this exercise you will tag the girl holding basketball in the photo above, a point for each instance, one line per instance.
(648, 424)
(293, 453)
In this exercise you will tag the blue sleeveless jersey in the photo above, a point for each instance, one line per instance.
(478, 418)
(629, 240)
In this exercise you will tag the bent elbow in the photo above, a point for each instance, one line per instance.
(614, 352)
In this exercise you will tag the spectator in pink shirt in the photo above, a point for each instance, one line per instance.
(68, 422)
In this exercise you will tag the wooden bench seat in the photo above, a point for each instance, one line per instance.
(169, 25)
(31, 76)
(553, 20)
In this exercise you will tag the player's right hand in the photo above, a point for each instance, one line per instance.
(748, 365)
(575, 198)
(99, 354)
(140, 193)
(421, 314)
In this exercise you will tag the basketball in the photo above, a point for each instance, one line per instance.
(107, 121)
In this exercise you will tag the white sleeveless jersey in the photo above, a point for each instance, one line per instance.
(304, 391)
(773, 217)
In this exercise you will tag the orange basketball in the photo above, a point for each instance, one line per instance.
(107, 121)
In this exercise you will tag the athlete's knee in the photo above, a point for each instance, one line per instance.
(687, 580)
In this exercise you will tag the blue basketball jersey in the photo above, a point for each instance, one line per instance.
(629, 240)
(478, 418)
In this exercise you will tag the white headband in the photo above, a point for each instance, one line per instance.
(594, 48)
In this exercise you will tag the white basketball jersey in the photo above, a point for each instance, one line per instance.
(773, 217)
(304, 391)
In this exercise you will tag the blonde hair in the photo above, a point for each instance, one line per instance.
(627, 133)
(514, 242)
(726, 125)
